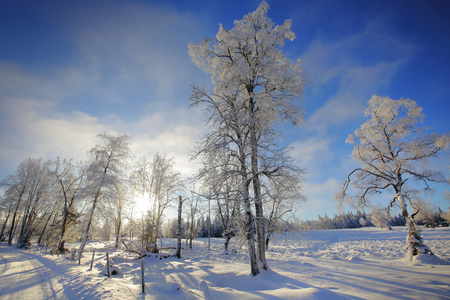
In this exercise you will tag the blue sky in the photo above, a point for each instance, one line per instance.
(70, 70)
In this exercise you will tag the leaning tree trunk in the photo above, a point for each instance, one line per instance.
(415, 245)
(13, 222)
(88, 226)
(45, 227)
(4, 223)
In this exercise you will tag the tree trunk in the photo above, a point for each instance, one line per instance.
(248, 218)
(45, 227)
(116, 244)
(179, 229)
(67, 208)
(4, 223)
(88, 226)
(118, 225)
(63, 232)
(251, 240)
(27, 226)
(13, 222)
(226, 243)
(415, 245)
(259, 212)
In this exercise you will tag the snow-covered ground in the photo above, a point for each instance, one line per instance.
(330, 264)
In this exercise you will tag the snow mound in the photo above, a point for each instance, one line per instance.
(424, 259)
(355, 259)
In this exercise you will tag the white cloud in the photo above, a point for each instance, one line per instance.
(135, 45)
(36, 129)
(357, 76)
(320, 199)
(129, 73)
(311, 153)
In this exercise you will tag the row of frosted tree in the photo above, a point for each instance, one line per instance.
(57, 199)
(428, 217)
(54, 201)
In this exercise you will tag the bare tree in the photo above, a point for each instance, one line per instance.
(224, 187)
(104, 173)
(193, 213)
(394, 150)
(159, 181)
(71, 181)
(6, 208)
(177, 252)
(16, 186)
(35, 201)
(247, 66)
(119, 202)
(225, 152)
(283, 196)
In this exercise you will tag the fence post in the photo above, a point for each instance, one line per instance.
(92, 261)
(142, 276)
(107, 264)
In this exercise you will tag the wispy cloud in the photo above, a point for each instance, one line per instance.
(136, 45)
(354, 78)
(310, 152)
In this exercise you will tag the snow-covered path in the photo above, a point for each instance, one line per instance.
(24, 276)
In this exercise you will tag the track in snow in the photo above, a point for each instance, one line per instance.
(23, 276)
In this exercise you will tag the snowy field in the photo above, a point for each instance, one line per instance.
(331, 264)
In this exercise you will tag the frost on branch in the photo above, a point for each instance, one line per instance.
(256, 91)
(393, 151)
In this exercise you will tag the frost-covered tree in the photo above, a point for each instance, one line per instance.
(159, 181)
(256, 89)
(393, 151)
(283, 197)
(104, 174)
(6, 208)
(16, 186)
(380, 217)
(70, 180)
(193, 212)
(36, 200)
(177, 252)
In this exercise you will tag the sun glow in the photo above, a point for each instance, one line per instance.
(141, 204)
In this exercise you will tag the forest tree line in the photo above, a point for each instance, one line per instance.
(52, 202)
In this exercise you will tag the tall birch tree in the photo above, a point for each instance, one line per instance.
(248, 67)
(393, 151)
(104, 173)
